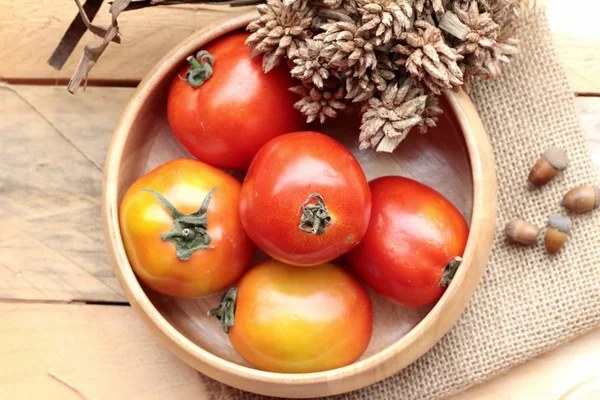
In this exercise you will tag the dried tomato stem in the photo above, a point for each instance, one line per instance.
(225, 312)
(315, 217)
(450, 271)
(200, 68)
(189, 231)
(193, 62)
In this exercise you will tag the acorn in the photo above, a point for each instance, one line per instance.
(557, 233)
(582, 198)
(548, 166)
(523, 232)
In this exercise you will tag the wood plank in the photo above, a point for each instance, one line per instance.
(576, 34)
(101, 352)
(51, 239)
(52, 146)
(105, 352)
(589, 112)
(31, 30)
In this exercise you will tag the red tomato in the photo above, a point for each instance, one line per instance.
(173, 251)
(413, 235)
(305, 199)
(238, 109)
(291, 319)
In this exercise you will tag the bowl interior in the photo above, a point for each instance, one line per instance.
(438, 158)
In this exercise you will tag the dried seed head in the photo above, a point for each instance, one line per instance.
(556, 157)
(521, 231)
(582, 198)
(389, 116)
(560, 222)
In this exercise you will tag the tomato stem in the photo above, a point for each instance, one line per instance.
(225, 312)
(450, 271)
(189, 230)
(201, 68)
(315, 217)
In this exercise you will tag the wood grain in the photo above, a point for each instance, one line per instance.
(47, 275)
(52, 146)
(31, 30)
(105, 352)
(576, 35)
(102, 352)
(589, 112)
(63, 257)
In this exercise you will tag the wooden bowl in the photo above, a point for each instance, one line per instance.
(455, 158)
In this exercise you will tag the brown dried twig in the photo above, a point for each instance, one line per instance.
(74, 33)
(139, 4)
(91, 54)
(95, 29)
(82, 21)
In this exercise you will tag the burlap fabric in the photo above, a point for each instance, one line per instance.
(528, 302)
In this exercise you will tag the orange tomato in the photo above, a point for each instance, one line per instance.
(182, 239)
(293, 319)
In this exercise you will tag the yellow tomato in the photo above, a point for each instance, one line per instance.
(181, 229)
(294, 319)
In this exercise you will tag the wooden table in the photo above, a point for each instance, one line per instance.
(66, 330)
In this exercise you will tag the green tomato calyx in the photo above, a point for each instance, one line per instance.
(189, 230)
(450, 271)
(315, 217)
(201, 68)
(225, 312)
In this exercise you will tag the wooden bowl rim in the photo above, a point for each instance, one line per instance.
(479, 154)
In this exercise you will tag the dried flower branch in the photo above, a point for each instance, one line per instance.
(74, 33)
(92, 54)
(429, 5)
(363, 87)
(279, 30)
(310, 66)
(384, 19)
(346, 47)
(429, 59)
(395, 56)
(387, 120)
(320, 103)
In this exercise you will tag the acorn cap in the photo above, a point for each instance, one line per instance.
(560, 222)
(556, 157)
(511, 227)
(597, 202)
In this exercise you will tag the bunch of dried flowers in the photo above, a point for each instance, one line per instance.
(393, 56)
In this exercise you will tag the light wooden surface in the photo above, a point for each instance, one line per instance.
(31, 29)
(44, 133)
(105, 352)
(41, 197)
(51, 245)
(74, 354)
(59, 351)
